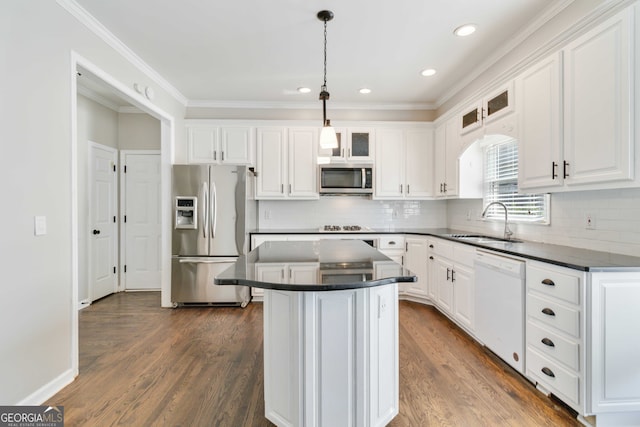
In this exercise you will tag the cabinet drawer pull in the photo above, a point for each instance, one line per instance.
(548, 312)
(548, 342)
(548, 282)
(548, 372)
(392, 242)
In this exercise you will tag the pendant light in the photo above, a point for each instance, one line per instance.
(328, 138)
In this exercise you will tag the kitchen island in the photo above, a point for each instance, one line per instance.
(330, 330)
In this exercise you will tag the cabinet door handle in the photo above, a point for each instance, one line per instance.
(431, 258)
(448, 273)
(554, 165)
(400, 188)
(289, 188)
(548, 312)
(548, 372)
(95, 232)
(453, 275)
(215, 155)
(564, 169)
(441, 188)
(445, 187)
(408, 190)
(548, 282)
(282, 188)
(222, 156)
(547, 342)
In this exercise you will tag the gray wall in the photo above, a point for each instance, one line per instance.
(37, 326)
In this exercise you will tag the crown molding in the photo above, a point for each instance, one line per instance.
(307, 105)
(554, 9)
(597, 15)
(109, 38)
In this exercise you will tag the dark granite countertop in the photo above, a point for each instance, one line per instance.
(325, 265)
(565, 256)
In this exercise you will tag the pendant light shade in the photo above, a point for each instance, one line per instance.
(328, 138)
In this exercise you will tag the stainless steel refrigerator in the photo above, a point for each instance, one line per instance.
(209, 232)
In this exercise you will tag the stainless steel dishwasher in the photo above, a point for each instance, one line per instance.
(499, 308)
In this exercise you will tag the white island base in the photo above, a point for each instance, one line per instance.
(331, 357)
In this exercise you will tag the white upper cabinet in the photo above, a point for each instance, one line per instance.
(229, 145)
(539, 121)
(575, 113)
(598, 76)
(286, 163)
(355, 145)
(446, 151)
(490, 108)
(404, 159)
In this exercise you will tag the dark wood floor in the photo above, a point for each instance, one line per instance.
(142, 365)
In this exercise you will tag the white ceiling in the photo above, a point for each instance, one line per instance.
(260, 52)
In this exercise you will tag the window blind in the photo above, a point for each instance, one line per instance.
(501, 185)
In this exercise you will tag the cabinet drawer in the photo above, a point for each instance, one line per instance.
(553, 345)
(559, 380)
(564, 318)
(554, 283)
(391, 242)
(442, 248)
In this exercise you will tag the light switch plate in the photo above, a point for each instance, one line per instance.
(40, 225)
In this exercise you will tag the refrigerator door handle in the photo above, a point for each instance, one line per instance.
(214, 209)
(205, 207)
(199, 260)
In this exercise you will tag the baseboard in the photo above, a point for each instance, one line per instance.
(405, 296)
(45, 392)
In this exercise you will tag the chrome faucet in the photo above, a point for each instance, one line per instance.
(507, 233)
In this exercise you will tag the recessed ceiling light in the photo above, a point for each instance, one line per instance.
(465, 30)
(428, 72)
(365, 90)
(304, 90)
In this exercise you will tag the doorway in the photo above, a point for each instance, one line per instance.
(81, 66)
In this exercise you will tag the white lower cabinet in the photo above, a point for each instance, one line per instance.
(555, 329)
(453, 278)
(615, 348)
(331, 358)
(416, 260)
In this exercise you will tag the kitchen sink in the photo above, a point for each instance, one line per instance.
(479, 238)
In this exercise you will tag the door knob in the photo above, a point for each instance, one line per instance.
(96, 231)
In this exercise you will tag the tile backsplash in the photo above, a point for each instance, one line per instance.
(336, 210)
(615, 215)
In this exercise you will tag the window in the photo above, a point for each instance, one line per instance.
(501, 185)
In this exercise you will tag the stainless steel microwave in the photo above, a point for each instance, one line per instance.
(346, 179)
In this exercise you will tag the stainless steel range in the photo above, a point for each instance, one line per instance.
(345, 228)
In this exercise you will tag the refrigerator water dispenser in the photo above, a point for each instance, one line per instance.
(186, 216)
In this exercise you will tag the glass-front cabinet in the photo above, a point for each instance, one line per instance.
(487, 109)
(355, 145)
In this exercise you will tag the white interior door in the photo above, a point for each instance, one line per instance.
(141, 230)
(103, 278)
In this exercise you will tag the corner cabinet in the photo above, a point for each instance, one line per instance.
(286, 163)
(417, 261)
(447, 147)
(403, 160)
(575, 112)
(226, 145)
